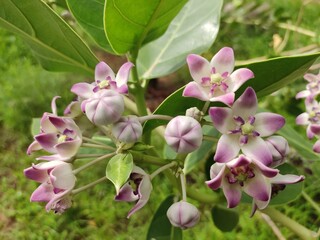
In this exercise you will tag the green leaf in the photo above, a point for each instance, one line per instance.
(291, 191)
(225, 219)
(298, 142)
(119, 169)
(160, 227)
(35, 126)
(89, 14)
(129, 25)
(193, 30)
(269, 77)
(202, 153)
(54, 43)
(273, 74)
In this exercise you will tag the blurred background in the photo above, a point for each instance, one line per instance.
(256, 30)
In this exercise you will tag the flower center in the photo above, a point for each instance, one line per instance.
(104, 84)
(62, 138)
(240, 174)
(247, 128)
(216, 78)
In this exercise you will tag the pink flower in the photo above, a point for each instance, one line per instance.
(252, 177)
(215, 81)
(243, 128)
(59, 135)
(137, 189)
(313, 87)
(310, 117)
(183, 214)
(57, 180)
(105, 79)
(183, 134)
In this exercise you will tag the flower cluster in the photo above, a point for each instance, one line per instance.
(311, 118)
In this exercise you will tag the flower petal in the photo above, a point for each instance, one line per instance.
(195, 90)
(54, 157)
(199, 67)
(223, 61)
(126, 194)
(311, 77)
(258, 187)
(43, 193)
(102, 71)
(222, 119)
(123, 74)
(267, 123)
(84, 90)
(227, 98)
(227, 148)
(69, 148)
(216, 174)
(257, 149)
(303, 94)
(266, 171)
(36, 175)
(315, 128)
(302, 119)
(316, 147)
(232, 192)
(246, 105)
(239, 77)
(47, 141)
(62, 176)
(34, 146)
(286, 179)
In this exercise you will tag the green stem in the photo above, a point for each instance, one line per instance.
(201, 197)
(310, 200)
(160, 117)
(183, 186)
(297, 228)
(89, 140)
(76, 171)
(140, 157)
(89, 145)
(161, 169)
(205, 107)
(79, 156)
(80, 189)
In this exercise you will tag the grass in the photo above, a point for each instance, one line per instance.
(26, 91)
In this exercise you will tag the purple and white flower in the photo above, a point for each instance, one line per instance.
(105, 79)
(183, 215)
(312, 88)
(215, 81)
(128, 129)
(279, 149)
(183, 134)
(59, 135)
(57, 180)
(252, 177)
(138, 188)
(310, 117)
(243, 128)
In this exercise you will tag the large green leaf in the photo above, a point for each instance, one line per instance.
(225, 219)
(129, 25)
(193, 30)
(54, 43)
(300, 143)
(160, 227)
(89, 14)
(119, 169)
(270, 76)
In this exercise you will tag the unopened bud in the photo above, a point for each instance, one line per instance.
(103, 107)
(183, 134)
(194, 113)
(279, 148)
(128, 129)
(183, 214)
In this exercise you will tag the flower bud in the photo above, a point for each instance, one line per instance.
(128, 129)
(279, 148)
(183, 134)
(194, 113)
(183, 214)
(103, 107)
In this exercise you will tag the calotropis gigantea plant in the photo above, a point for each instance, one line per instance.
(110, 117)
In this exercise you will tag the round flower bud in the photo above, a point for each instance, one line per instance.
(194, 113)
(279, 148)
(128, 129)
(183, 214)
(103, 107)
(183, 134)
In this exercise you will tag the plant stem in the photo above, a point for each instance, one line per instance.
(79, 156)
(209, 138)
(160, 117)
(149, 159)
(201, 197)
(76, 171)
(310, 200)
(89, 145)
(161, 169)
(205, 107)
(297, 228)
(183, 186)
(80, 189)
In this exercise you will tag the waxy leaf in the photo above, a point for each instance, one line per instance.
(298, 142)
(119, 169)
(270, 76)
(89, 14)
(193, 30)
(160, 227)
(129, 25)
(54, 43)
(225, 219)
